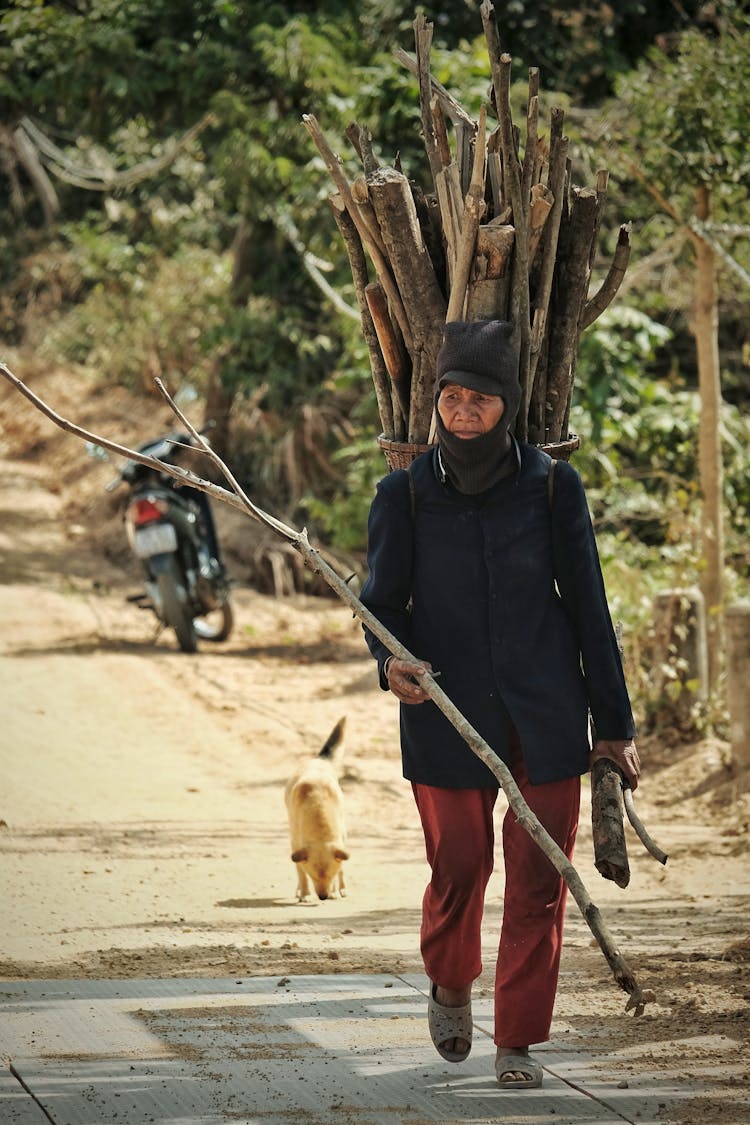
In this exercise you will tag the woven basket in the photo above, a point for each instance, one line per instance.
(561, 450)
(400, 454)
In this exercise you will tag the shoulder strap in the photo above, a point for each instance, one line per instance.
(412, 491)
(551, 482)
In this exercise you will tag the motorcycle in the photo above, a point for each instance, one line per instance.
(171, 531)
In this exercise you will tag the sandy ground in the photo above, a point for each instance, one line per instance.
(142, 823)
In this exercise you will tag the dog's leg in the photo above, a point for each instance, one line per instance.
(303, 883)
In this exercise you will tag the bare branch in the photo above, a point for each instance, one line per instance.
(106, 179)
(612, 282)
(648, 842)
(448, 103)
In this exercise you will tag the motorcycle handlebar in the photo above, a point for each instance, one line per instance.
(166, 448)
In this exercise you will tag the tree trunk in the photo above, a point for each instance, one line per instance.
(705, 328)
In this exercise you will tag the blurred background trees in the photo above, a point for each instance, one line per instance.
(164, 213)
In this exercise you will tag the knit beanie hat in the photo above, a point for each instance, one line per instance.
(478, 354)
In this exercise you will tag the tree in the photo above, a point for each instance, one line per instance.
(679, 123)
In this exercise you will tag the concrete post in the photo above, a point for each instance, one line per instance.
(737, 626)
(680, 658)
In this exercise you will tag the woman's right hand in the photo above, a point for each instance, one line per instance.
(401, 675)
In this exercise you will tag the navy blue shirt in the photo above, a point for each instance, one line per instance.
(503, 595)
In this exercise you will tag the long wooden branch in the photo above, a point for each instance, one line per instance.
(621, 971)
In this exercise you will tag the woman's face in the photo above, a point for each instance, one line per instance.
(468, 414)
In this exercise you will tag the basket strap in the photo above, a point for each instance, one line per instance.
(551, 482)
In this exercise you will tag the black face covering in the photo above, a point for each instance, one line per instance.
(473, 465)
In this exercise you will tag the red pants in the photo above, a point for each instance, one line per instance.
(459, 838)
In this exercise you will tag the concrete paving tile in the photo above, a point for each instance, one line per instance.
(348, 1048)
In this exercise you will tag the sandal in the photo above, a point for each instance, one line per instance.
(449, 1023)
(507, 1064)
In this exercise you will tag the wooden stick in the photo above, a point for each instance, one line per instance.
(610, 848)
(451, 108)
(574, 276)
(541, 204)
(612, 282)
(532, 128)
(556, 182)
(423, 299)
(473, 211)
(649, 844)
(237, 498)
(465, 135)
(352, 134)
(382, 267)
(448, 191)
(441, 133)
(489, 283)
(428, 217)
(358, 266)
(495, 170)
(423, 41)
(539, 347)
(520, 300)
(390, 344)
(602, 180)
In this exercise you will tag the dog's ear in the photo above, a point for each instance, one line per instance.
(299, 856)
(340, 854)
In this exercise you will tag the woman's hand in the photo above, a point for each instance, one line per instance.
(624, 755)
(401, 675)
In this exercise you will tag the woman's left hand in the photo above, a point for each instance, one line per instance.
(624, 754)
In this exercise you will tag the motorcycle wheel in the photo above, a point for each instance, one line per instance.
(216, 625)
(176, 613)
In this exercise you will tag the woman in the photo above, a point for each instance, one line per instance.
(485, 567)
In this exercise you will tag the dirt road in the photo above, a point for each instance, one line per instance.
(142, 825)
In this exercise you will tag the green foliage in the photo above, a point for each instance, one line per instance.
(638, 454)
(343, 518)
(611, 360)
(265, 343)
(681, 117)
(137, 315)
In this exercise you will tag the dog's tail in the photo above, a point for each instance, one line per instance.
(332, 745)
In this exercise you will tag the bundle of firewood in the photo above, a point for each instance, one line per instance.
(503, 234)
